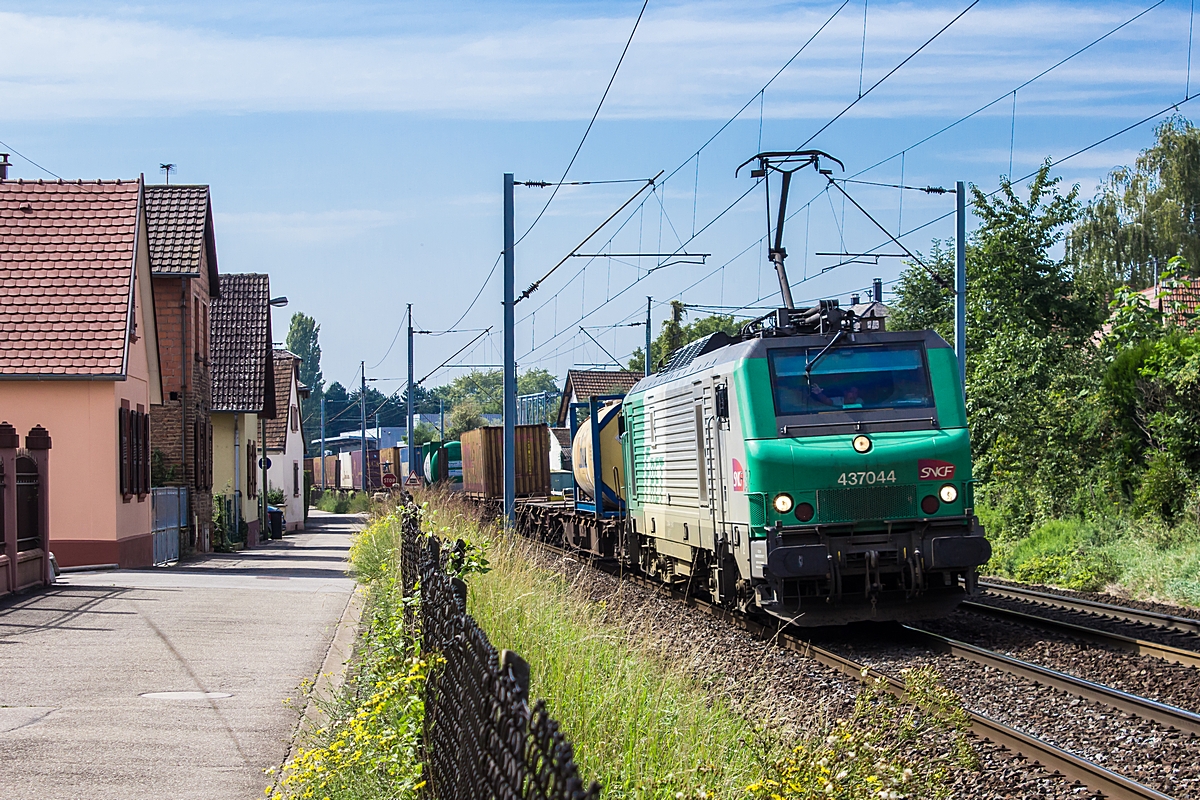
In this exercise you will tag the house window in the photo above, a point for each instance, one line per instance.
(295, 478)
(252, 468)
(295, 417)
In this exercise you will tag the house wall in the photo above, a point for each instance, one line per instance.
(89, 523)
(223, 461)
(182, 306)
(284, 463)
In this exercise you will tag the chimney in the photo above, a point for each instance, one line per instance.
(877, 290)
(4, 165)
(853, 299)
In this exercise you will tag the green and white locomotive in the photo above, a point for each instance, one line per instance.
(806, 467)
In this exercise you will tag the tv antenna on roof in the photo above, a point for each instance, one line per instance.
(168, 168)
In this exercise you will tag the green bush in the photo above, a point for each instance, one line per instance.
(1163, 487)
(334, 502)
(1066, 553)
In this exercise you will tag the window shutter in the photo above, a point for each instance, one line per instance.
(145, 452)
(123, 448)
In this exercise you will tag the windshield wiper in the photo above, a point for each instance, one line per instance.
(808, 367)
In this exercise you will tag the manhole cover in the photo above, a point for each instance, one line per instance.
(185, 695)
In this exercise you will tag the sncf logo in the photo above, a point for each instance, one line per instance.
(930, 469)
(739, 477)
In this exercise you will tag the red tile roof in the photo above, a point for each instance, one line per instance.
(287, 365)
(1180, 302)
(584, 384)
(243, 368)
(179, 221)
(66, 277)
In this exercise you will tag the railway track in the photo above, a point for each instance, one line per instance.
(1122, 613)
(1117, 641)
(1054, 759)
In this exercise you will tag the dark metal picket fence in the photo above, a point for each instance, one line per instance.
(482, 740)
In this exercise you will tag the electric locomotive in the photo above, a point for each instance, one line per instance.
(807, 467)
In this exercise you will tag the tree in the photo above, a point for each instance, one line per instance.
(302, 339)
(1014, 282)
(923, 301)
(486, 389)
(424, 432)
(533, 381)
(466, 416)
(1143, 215)
(675, 335)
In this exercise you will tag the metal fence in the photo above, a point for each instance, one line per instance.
(169, 508)
(482, 740)
(538, 409)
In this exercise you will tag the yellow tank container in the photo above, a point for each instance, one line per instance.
(612, 464)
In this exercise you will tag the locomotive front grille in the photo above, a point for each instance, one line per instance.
(758, 509)
(867, 503)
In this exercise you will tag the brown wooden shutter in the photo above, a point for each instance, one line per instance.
(123, 448)
(145, 451)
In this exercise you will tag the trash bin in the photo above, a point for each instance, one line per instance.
(275, 516)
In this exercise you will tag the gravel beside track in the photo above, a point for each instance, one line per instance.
(1144, 751)
(1146, 676)
(778, 688)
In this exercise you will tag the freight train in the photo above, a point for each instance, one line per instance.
(806, 467)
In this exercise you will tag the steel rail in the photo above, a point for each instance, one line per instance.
(1145, 708)
(1122, 613)
(1051, 757)
(1175, 655)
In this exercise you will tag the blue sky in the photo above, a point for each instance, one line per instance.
(356, 150)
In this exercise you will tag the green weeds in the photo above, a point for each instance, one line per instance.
(640, 724)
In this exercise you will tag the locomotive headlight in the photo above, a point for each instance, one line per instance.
(861, 444)
(783, 503)
(948, 493)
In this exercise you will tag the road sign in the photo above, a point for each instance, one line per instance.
(264, 462)
(389, 480)
(412, 480)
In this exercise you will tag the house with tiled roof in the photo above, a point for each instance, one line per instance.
(79, 357)
(183, 270)
(285, 438)
(243, 399)
(584, 384)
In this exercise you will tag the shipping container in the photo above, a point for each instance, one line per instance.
(332, 477)
(374, 477)
(483, 462)
(392, 459)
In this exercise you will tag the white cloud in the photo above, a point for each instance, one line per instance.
(696, 61)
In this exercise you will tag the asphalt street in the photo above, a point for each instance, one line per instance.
(169, 682)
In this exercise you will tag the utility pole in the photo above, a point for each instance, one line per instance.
(362, 404)
(412, 453)
(442, 418)
(960, 284)
(324, 485)
(510, 357)
(647, 370)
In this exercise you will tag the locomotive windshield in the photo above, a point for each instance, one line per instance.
(850, 378)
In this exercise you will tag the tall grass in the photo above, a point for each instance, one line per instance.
(640, 724)
(644, 728)
(1141, 557)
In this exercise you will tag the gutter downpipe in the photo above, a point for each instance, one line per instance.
(237, 476)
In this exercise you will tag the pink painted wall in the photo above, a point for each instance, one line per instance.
(87, 514)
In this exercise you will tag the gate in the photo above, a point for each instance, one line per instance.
(29, 528)
(169, 507)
